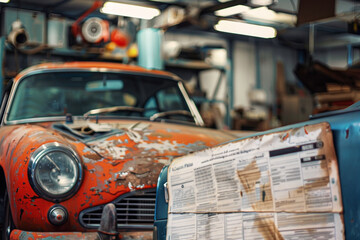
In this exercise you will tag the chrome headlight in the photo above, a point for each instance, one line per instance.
(55, 172)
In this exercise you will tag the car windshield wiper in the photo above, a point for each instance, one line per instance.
(112, 109)
(168, 113)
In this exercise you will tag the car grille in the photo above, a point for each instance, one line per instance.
(135, 210)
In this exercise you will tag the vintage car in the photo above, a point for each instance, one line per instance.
(342, 160)
(82, 145)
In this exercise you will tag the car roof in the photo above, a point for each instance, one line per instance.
(94, 66)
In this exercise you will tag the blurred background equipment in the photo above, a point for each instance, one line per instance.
(95, 30)
(18, 35)
(224, 50)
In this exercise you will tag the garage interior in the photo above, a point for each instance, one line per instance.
(248, 65)
(306, 65)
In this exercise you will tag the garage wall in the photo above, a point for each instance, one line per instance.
(244, 72)
(247, 54)
(208, 78)
(333, 57)
(192, 40)
(337, 57)
(247, 75)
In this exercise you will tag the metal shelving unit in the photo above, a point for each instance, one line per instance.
(196, 66)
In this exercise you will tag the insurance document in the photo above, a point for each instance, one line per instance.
(281, 185)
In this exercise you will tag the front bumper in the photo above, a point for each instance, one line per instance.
(106, 231)
(24, 235)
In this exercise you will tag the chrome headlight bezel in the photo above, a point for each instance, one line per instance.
(37, 155)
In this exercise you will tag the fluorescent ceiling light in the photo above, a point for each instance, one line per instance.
(264, 12)
(262, 2)
(267, 15)
(164, 1)
(130, 10)
(247, 29)
(4, 1)
(231, 10)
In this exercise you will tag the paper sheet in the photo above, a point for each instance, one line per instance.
(259, 181)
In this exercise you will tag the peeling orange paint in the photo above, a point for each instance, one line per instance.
(139, 166)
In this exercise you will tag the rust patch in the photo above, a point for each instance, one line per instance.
(161, 135)
(322, 182)
(138, 173)
(92, 156)
(327, 150)
(137, 236)
(68, 137)
(267, 228)
(326, 155)
(249, 176)
(265, 203)
(284, 137)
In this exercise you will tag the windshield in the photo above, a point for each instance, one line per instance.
(59, 93)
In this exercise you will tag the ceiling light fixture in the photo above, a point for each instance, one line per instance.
(267, 15)
(164, 1)
(247, 29)
(4, 1)
(262, 2)
(231, 10)
(130, 10)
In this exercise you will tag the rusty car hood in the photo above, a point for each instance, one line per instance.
(133, 153)
(150, 140)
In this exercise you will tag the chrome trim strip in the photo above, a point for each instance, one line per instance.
(35, 120)
(167, 113)
(112, 109)
(100, 70)
(37, 155)
(198, 120)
